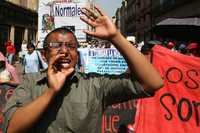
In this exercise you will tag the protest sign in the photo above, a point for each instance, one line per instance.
(118, 116)
(175, 108)
(61, 13)
(103, 61)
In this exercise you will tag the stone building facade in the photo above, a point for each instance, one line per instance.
(18, 21)
(140, 16)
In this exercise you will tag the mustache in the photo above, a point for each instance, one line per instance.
(63, 59)
(58, 63)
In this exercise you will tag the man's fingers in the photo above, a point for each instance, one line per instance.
(92, 14)
(88, 21)
(92, 33)
(99, 11)
(52, 62)
(54, 59)
(87, 13)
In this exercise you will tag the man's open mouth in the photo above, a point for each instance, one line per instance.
(64, 62)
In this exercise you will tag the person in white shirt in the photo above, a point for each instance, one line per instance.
(33, 60)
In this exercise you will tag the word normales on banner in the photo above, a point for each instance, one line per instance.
(58, 13)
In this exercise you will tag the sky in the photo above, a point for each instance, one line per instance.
(109, 6)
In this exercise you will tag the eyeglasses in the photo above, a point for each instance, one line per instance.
(59, 45)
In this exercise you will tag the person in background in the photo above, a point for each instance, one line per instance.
(23, 51)
(32, 60)
(171, 45)
(8, 74)
(63, 100)
(80, 63)
(146, 49)
(131, 39)
(182, 48)
(10, 51)
(192, 49)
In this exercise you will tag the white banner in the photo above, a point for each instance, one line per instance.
(103, 61)
(57, 13)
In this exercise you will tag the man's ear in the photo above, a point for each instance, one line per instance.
(46, 54)
(77, 56)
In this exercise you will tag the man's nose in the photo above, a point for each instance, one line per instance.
(64, 50)
(64, 47)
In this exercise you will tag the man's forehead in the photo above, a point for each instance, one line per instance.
(61, 37)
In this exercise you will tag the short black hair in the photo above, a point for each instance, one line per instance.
(145, 48)
(62, 30)
(30, 45)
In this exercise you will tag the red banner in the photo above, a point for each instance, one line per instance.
(176, 107)
(118, 116)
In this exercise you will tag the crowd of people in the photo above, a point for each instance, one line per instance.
(191, 48)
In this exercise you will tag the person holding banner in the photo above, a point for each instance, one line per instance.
(64, 101)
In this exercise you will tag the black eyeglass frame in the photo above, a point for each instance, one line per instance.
(58, 45)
